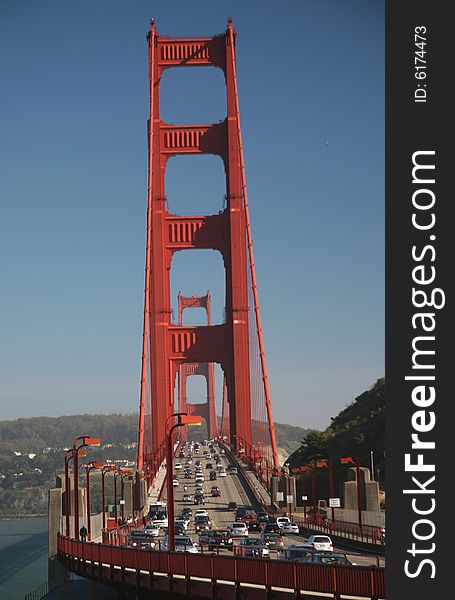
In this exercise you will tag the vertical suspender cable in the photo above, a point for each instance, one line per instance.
(251, 256)
(145, 338)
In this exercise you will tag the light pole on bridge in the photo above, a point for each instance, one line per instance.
(68, 456)
(84, 440)
(183, 419)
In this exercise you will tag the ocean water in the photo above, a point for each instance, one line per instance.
(23, 556)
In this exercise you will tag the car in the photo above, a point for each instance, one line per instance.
(273, 540)
(326, 558)
(222, 473)
(232, 470)
(237, 529)
(232, 505)
(254, 526)
(204, 536)
(175, 482)
(199, 490)
(240, 513)
(321, 543)
(215, 491)
(222, 451)
(220, 538)
(271, 528)
(297, 551)
(181, 454)
(280, 521)
(254, 547)
(141, 540)
(203, 522)
(262, 517)
(152, 530)
(181, 521)
(183, 543)
(288, 528)
(199, 499)
(198, 463)
(209, 456)
(189, 461)
(209, 466)
(212, 476)
(201, 512)
(178, 466)
(199, 479)
(248, 518)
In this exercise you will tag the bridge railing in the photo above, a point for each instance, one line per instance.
(136, 567)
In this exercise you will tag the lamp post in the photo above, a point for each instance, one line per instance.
(84, 440)
(354, 461)
(89, 467)
(304, 470)
(324, 463)
(182, 419)
(115, 497)
(104, 470)
(123, 474)
(67, 458)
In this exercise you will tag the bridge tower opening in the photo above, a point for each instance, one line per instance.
(206, 410)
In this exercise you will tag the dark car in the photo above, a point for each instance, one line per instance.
(212, 475)
(232, 506)
(240, 513)
(209, 466)
(271, 528)
(326, 558)
(199, 499)
(262, 517)
(254, 526)
(297, 551)
(220, 538)
(215, 491)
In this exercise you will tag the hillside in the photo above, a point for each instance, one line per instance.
(31, 452)
(355, 431)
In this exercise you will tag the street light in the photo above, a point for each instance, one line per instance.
(89, 467)
(306, 469)
(183, 419)
(354, 461)
(85, 441)
(68, 457)
(124, 473)
(324, 463)
(104, 470)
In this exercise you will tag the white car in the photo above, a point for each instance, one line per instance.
(152, 530)
(280, 521)
(222, 473)
(201, 512)
(178, 466)
(199, 479)
(238, 529)
(175, 483)
(290, 528)
(321, 543)
(160, 522)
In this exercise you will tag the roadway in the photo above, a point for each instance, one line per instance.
(232, 490)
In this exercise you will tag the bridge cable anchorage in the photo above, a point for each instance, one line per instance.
(251, 256)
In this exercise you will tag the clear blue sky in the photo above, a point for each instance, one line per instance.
(73, 160)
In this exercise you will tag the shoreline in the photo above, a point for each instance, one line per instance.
(12, 517)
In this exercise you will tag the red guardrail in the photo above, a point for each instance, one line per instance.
(367, 582)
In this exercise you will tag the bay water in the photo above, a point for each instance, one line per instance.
(23, 556)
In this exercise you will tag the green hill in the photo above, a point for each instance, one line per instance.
(31, 452)
(356, 431)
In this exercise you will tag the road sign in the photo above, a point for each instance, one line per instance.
(304, 497)
(334, 503)
(289, 499)
(279, 496)
(122, 501)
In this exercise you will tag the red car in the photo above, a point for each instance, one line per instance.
(215, 491)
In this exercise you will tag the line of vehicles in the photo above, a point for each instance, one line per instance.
(247, 534)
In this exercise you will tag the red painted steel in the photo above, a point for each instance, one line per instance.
(165, 348)
(207, 409)
(365, 582)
